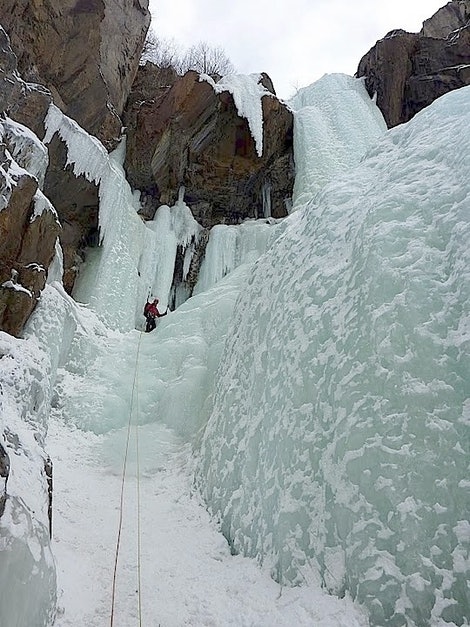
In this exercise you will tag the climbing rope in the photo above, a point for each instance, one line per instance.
(121, 502)
(137, 455)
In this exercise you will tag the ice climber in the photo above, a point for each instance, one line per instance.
(151, 312)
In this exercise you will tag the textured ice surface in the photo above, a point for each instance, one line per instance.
(335, 122)
(175, 373)
(339, 436)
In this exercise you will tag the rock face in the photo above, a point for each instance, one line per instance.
(408, 71)
(181, 133)
(28, 223)
(77, 209)
(86, 52)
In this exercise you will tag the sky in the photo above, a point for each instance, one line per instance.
(294, 41)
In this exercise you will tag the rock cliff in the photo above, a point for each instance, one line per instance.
(181, 133)
(83, 55)
(408, 71)
(28, 222)
(86, 52)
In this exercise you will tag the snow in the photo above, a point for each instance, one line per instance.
(25, 147)
(10, 173)
(42, 204)
(247, 92)
(188, 575)
(11, 285)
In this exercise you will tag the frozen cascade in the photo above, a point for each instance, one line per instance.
(266, 195)
(337, 443)
(335, 122)
(314, 325)
(231, 246)
(118, 277)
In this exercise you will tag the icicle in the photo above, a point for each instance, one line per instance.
(266, 195)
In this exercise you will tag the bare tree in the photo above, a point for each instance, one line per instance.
(160, 51)
(206, 59)
(201, 57)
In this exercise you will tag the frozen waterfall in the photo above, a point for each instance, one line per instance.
(312, 393)
(338, 439)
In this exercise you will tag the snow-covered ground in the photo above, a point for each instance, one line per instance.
(188, 576)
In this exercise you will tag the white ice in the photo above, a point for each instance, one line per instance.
(339, 436)
(335, 122)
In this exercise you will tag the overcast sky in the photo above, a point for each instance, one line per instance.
(294, 41)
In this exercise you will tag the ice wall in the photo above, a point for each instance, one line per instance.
(27, 375)
(231, 246)
(135, 258)
(339, 437)
(27, 570)
(335, 122)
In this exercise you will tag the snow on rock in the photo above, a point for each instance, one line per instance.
(42, 204)
(335, 122)
(12, 285)
(26, 148)
(247, 92)
(337, 440)
(10, 173)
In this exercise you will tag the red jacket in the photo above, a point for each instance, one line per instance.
(150, 309)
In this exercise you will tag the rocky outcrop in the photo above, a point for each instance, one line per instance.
(76, 202)
(86, 52)
(181, 133)
(408, 71)
(451, 17)
(28, 223)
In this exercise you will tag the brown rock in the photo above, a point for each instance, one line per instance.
(408, 71)
(27, 247)
(4, 473)
(77, 209)
(28, 240)
(86, 52)
(185, 135)
(27, 103)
